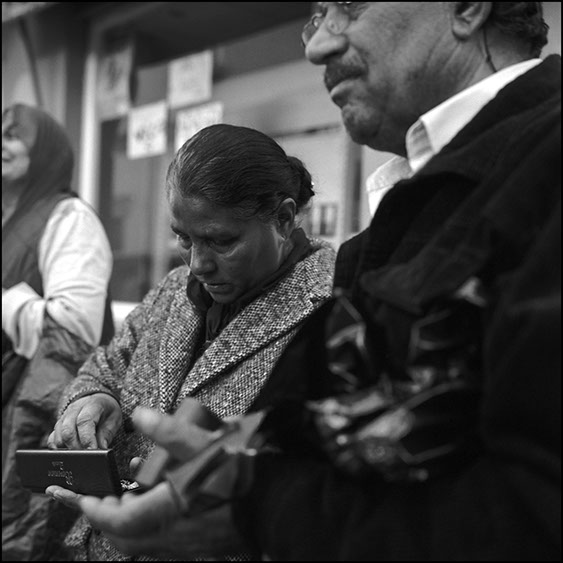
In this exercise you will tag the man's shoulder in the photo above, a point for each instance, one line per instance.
(348, 258)
(355, 243)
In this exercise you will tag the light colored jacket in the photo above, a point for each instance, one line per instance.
(148, 362)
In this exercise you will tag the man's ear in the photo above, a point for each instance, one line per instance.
(286, 217)
(467, 18)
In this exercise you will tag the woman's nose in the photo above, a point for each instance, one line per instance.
(201, 261)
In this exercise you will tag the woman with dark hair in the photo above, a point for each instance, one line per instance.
(56, 265)
(214, 328)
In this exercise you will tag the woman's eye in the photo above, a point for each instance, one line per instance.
(223, 243)
(321, 10)
(183, 240)
(9, 134)
(355, 9)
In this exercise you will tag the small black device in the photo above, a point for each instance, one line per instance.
(89, 472)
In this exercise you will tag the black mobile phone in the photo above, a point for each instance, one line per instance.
(89, 472)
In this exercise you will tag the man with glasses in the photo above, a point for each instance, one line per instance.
(458, 278)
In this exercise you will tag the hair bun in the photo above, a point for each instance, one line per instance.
(304, 180)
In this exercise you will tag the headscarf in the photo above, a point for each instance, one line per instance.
(50, 154)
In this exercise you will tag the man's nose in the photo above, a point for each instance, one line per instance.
(323, 45)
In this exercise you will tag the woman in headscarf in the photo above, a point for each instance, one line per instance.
(56, 266)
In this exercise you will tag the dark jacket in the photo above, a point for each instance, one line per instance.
(487, 207)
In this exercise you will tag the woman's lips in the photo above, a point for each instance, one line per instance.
(216, 287)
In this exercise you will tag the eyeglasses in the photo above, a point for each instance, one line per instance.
(338, 21)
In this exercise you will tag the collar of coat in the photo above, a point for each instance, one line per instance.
(486, 171)
(267, 319)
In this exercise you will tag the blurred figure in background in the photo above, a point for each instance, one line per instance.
(56, 266)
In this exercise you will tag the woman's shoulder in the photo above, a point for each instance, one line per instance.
(323, 255)
(323, 248)
(315, 273)
(75, 226)
(165, 293)
(168, 288)
(173, 280)
(75, 213)
(177, 277)
(73, 204)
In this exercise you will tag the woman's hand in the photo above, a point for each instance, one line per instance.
(88, 423)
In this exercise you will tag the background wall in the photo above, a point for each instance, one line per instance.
(552, 11)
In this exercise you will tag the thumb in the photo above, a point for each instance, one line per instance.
(181, 439)
(105, 435)
(153, 424)
(135, 465)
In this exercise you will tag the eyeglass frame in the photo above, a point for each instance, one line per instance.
(334, 26)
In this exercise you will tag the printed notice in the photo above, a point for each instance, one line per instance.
(146, 130)
(190, 79)
(113, 83)
(190, 121)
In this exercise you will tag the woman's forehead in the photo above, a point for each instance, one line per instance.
(199, 213)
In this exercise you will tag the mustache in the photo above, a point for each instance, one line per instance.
(336, 72)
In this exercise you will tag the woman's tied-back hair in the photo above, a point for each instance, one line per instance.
(239, 168)
(522, 20)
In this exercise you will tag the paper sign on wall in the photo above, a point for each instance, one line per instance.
(113, 83)
(146, 130)
(190, 121)
(190, 79)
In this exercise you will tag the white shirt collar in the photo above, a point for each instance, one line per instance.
(384, 178)
(436, 128)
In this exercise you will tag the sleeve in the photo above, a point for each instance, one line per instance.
(105, 369)
(505, 505)
(75, 262)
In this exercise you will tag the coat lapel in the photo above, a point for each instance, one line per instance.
(259, 324)
(178, 346)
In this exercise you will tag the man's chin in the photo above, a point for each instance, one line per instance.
(355, 125)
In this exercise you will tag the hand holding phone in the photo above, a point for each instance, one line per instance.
(89, 472)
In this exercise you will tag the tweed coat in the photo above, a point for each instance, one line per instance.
(148, 362)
